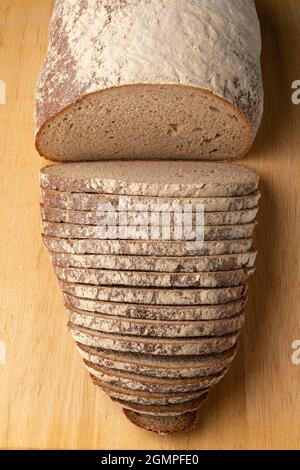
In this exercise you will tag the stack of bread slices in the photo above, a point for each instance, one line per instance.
(152, 247)
(155, 311)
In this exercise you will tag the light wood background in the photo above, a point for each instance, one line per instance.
(46, 398)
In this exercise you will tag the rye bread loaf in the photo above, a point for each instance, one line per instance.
(103, 203)
(156, 328)
(54, 214)
(163, 425)
(158, 312)
(162, 366)
(146, 398)
(232, 185)
(155, 346)
(145, 248)
(155, 263)
(164, 410)
(104, 94)
(209, 232)
(150, 384)
(162, 297)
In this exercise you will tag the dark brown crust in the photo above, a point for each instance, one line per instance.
(163, 425)
(232, 108)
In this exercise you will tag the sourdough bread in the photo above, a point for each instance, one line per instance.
(165, 367)
(232, 185)
(163, 297)
(104, 94)
(155, 346)
(156, 328)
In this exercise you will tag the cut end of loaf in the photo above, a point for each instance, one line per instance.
(163, 424)
(146, 122)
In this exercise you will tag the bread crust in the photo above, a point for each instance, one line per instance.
(108, 58)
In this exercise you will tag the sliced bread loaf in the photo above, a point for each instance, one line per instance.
(104, 94)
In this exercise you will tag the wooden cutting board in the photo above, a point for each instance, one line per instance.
(46, 398)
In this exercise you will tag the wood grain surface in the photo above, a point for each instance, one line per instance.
(46, 398)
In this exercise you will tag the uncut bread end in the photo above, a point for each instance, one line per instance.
(151, 80)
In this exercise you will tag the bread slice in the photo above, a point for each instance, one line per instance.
(167, 297)
(163, 424)
(178, 367)
(54, 214)
(145, 248)
(155, 346)
(156, 328)
(209, 232)
(119, 203)
(232, 185)
(176, 409)
(150, 384)
(157, 312)
(146, 398)
(135, 80)
(155, 263)
(105, 277)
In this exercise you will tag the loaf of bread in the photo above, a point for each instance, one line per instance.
(150, 79)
